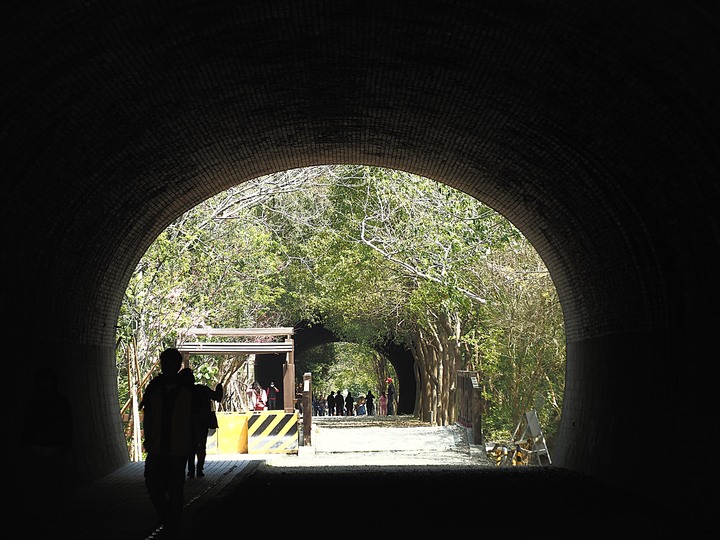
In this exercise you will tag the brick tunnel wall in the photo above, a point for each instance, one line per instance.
(592, 127)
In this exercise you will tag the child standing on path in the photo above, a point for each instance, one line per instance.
(382, 401)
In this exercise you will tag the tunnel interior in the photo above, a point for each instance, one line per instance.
(592, 127)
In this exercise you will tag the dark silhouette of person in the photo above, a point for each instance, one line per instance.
(349, 411)
(370, 403)
(272, 393)
(330, 401)
(167, 424)
(316, 406)
(339, 403)
(46, 438)
(202, 419)
(390, 397)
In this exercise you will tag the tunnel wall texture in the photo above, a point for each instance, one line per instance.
(592, 126)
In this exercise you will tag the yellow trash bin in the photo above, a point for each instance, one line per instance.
(231, 436)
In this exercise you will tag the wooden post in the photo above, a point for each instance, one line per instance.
(476, 410)
(307, 409)
(289, 387)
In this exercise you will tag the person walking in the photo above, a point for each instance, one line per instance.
(390, 397)
(370, 403)
(272, 393)
(339, 404)
(202, 419)
(349, 410)
(167, 425)
(382, 401)
(331, 403)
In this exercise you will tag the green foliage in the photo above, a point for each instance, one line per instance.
(373, 254)
(206, 372)
(341, 366)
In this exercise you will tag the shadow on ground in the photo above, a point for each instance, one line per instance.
(541, 501)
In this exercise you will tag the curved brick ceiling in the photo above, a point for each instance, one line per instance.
(593, 126)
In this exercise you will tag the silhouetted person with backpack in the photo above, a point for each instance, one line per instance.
(167, 423)
(202, 420)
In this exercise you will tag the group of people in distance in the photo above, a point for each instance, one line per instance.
(337, 404)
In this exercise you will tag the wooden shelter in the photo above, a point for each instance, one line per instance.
(230, 348)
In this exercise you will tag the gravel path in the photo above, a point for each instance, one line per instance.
(355, 441)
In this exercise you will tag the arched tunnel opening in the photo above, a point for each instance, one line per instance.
(592, 128)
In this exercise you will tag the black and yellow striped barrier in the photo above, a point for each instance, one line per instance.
(273, 432)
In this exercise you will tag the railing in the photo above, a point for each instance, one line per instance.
(468, 403)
